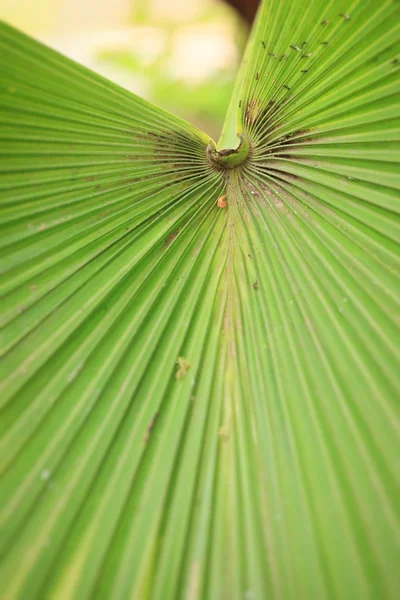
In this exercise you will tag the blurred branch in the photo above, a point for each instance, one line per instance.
(246, 8)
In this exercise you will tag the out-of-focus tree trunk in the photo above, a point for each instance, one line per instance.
(246, 8)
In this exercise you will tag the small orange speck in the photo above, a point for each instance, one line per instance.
(222, 203)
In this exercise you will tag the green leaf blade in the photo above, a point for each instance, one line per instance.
(200, 364)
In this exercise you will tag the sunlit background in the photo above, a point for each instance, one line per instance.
(179, 54)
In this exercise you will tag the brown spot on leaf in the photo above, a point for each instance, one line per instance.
(253, 110)
(183, 367)
(221, 202)
(150, 427)
(171, 238)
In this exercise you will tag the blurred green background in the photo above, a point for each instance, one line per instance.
(179, 54)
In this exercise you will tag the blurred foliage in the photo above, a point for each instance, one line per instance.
(204, 103)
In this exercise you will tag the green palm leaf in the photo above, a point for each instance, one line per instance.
(200, 402)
